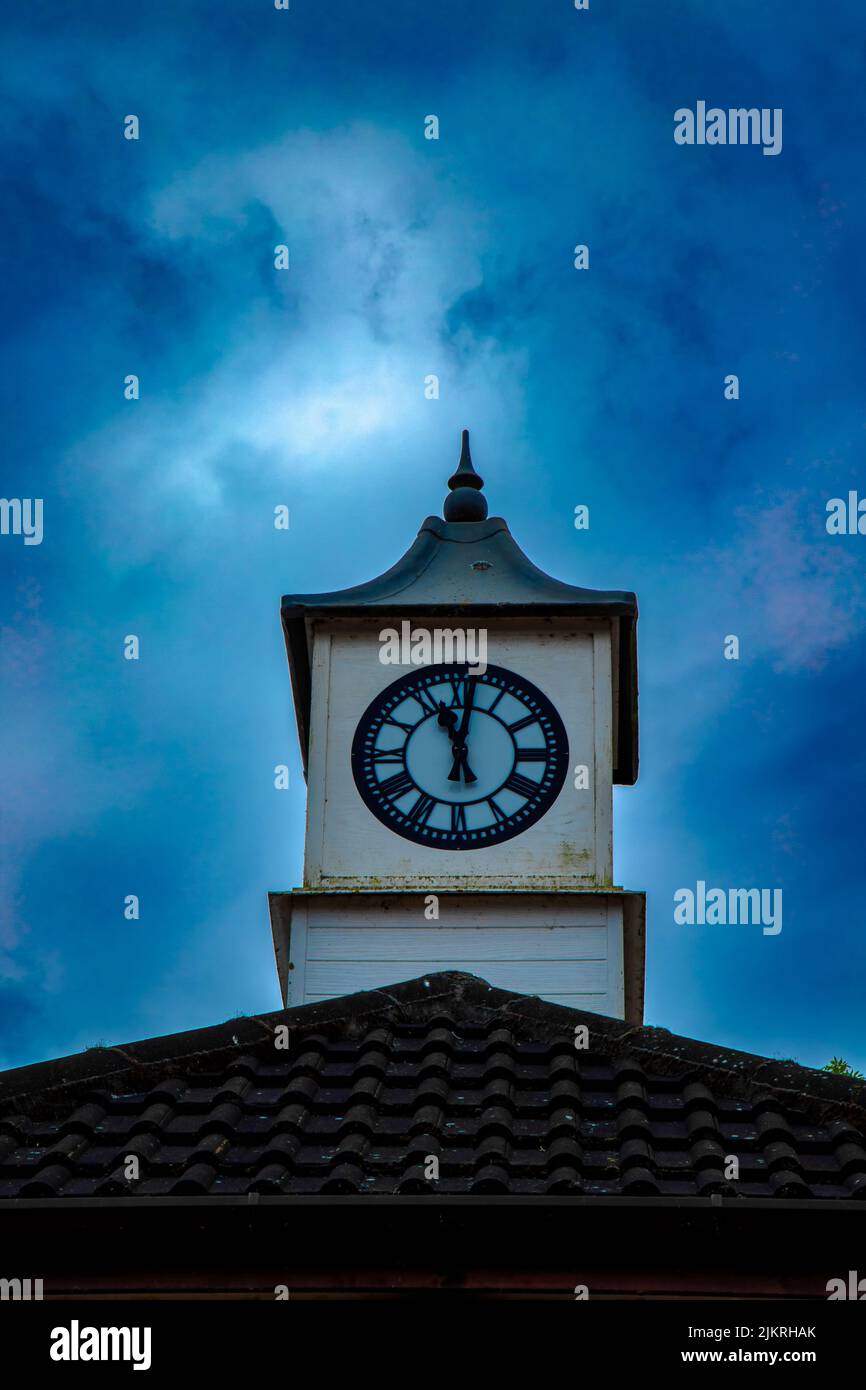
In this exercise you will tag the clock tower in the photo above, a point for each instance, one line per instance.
(462, 720)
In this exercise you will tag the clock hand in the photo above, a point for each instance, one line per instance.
(459, 747)
(461, 760)
(467, 709)
(447, 719)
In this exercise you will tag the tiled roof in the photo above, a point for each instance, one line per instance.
(371, 1085)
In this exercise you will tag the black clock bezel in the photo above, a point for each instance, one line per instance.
(533, 809)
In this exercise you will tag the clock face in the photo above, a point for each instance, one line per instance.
(457, 761)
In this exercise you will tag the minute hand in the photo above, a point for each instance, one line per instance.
(467, 709)
(458, 741)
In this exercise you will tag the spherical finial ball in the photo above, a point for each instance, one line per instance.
(465, 504)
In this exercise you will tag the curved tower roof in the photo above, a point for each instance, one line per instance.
(468, 566)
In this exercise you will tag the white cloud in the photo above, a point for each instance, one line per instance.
(381, 246)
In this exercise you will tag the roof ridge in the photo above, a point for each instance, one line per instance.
(474, 1000)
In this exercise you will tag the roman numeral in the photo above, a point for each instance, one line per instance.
(458, 819)
(397, 786)
(398, 724)
(498, 813)
(387, 755)
(523, 786)
(421, 811)
(522, 723)
(532, 755)
(426, 701)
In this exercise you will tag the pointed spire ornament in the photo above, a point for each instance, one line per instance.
(465, 502)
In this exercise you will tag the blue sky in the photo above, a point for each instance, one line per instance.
(305, 388)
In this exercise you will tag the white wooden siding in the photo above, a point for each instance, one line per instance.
(431, 943)
(564, 948)
(328, 978)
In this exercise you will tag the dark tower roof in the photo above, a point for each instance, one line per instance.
(468, 566)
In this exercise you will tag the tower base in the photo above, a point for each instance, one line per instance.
(580, 947)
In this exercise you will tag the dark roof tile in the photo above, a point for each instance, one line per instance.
(489, 1083)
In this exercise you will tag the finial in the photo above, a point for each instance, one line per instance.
(465, 501)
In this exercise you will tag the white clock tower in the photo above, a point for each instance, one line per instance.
(462, 719)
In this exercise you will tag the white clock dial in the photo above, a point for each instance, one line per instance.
(460, 761)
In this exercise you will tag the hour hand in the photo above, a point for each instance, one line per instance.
(446, 718)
